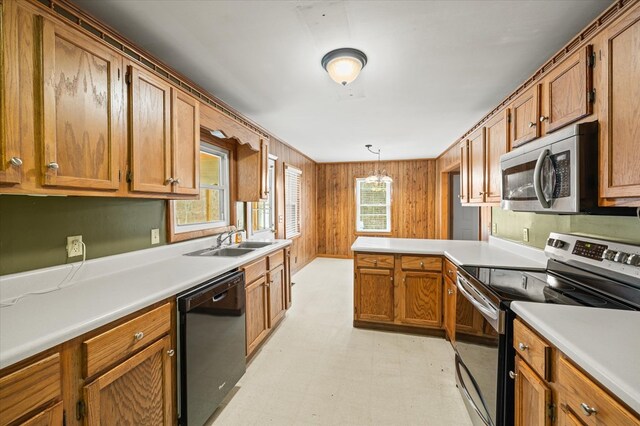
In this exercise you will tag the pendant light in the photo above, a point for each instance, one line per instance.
(377, 176)
(344, 65)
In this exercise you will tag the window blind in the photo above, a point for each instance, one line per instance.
(292, 200)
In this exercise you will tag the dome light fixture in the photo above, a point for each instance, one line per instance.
(344, 65)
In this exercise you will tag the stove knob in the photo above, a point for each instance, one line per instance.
(609, 254)
(550, 242)
(621, 257)
(634, 260)
(558, 243)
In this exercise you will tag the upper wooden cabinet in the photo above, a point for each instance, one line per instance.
(568, 90)
(464, 172)
(525, 116)
(164, 136)
(620, 129)
(11, 160)
(253, 172)
(476, 166)
(82, 126)
(497, 143)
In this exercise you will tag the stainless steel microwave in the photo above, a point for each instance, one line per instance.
(557, 173)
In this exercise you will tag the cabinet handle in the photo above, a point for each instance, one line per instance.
(449, 291)
(176, 181)
(522, 346)
(543, 118)
(460, 196)
(532, 124)
(375, 262)
(391, 278)
(480, 193)
(266, 192)
(513, 375)
(16, 161)
(588, 411)
(138, 336)
(168, 181)
(53, 166)
(171, 352)
(450, 272)
(422, 264)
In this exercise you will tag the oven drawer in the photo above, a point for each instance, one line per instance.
(590, 403)
(374, 260)
(535, 351)
(422, 263)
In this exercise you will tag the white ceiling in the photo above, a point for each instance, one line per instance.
(435, 67)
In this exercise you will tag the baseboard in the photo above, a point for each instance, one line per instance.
(399, 328)
(335, 256)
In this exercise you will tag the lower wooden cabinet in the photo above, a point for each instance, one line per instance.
(257, 314)
(374, 295)
(421, 298)
(136, 391)
(532, 397)
(52, 416)
(277, 295)
(450, 295)
(468, 319)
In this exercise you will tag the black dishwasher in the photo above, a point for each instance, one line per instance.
(211, 352)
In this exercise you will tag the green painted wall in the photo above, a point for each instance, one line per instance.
(34, 230)
(510, 226)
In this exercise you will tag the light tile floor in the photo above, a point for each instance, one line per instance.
(316, 369)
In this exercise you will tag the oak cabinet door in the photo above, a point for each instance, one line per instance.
(532, 397)
(525, 113)
(568, 91)
(287, 277)
(264, 169)
(277, 295)
(450, 309)
(10, 142)
(497, 143)
(257, 313)
(52, 416)
(464, 172)
(421, 299)
(468, 319)
(136, 392)
(375, 295)
(476, 166)
(186, 143)
(150, 121)
(82, 97)
(620, 156)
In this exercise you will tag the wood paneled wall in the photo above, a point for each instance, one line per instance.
(304, 247)
(412, 209)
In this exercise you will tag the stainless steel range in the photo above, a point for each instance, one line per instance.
(580, 271)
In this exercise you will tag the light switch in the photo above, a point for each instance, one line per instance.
(525, 235)
(155, 236)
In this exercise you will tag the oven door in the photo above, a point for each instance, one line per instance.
(478, 330)
(542, 180)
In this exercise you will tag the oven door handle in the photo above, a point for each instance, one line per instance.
(466, 393)
(537, 179)
(493, 315)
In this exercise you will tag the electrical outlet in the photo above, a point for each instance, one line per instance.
(74, 246)
(155, 236)
(494, 228)
(525, 235)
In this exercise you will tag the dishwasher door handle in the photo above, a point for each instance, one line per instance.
(220, 296)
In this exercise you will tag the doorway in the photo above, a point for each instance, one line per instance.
(465, 221)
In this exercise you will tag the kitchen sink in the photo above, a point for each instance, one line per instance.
(223, 252)
(255, 244)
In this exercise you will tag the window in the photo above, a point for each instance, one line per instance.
(212, 209)
(373, 206)
(292, 200)
(262, 213)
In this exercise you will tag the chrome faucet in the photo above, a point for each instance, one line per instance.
(222, 237)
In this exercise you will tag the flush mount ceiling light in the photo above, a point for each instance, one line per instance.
(377, 176)
(344, 65)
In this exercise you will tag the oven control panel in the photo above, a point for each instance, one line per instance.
(589, 250)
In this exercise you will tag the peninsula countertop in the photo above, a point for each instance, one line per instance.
(603, 342)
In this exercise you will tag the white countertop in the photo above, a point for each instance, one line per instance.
(496, 254)
(102, 291)
(603, 342)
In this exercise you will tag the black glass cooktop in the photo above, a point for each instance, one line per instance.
(548, 287)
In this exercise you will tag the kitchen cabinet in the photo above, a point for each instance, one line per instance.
(525, 113)
(11, 161)
(185, 146)
(476, 153)
(450, 295)
(257, 314)
(421, 298)
(532, 397)
(620, 114)
(52, 416)
(136, 391)
(30, 391)
(464, 172)
(253, 172)
(82, 124)
(497, 143)
(374, 295)
(287, 277)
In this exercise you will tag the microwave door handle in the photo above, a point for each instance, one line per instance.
(537, 177)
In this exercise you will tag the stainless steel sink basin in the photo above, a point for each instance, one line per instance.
(255, 244)
(223, 252)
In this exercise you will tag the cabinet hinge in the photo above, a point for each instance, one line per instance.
(591, 94)
(129, 176)
(591, 60)
(119, 175)
(551, 412)
(127, 77)
(81, 410)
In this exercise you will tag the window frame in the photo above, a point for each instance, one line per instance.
(298, 232)
(388, 205)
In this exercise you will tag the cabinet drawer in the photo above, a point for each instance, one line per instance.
(275, 259)
(118, 343)
(450, 270)
(374, 260)
(422, 263)
(535, 351)
(581, 394)
(255, 270)
(29, 388)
